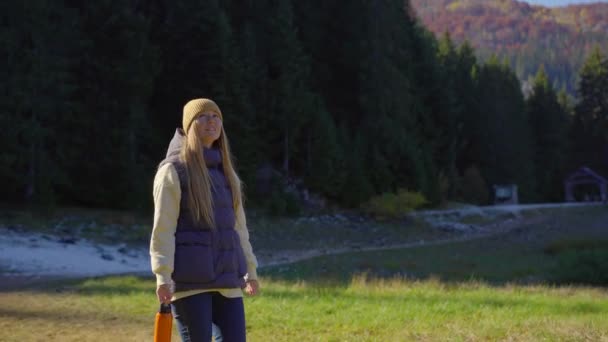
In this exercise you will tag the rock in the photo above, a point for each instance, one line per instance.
(67, 240)
(455, 227)
(14, 227)
(106, 256)
(127, 251)
(340, 217)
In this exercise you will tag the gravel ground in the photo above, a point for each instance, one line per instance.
(29, 258)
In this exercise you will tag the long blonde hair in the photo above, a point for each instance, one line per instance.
(200, 200)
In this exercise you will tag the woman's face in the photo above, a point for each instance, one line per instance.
(209, 127)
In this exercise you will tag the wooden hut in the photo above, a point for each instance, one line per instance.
(586, 176)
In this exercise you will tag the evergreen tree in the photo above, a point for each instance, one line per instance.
(117, 73)
(36, 98)
(548, 122)
(399, 114)
(458, 105)
(466, 88)
(326, 157)
(192, 38)
(503, 136)
(333, 34)
(590, 127)
(357, 187)
(566, 102)
(248, 94)
(292, 100)
(355, 97)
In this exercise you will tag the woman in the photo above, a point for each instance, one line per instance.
(200, 250)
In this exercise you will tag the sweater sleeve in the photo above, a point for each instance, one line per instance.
(241, 228)
(167, 195)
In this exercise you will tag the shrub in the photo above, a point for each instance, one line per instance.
(472, 187)
(580, 261)
(583, 267)
(282, 203)
(566, 245)
(391, 205)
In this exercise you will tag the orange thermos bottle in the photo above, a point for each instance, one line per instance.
(163, 323)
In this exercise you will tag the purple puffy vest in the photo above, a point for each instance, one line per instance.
(207, 258)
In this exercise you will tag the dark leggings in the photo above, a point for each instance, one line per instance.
(194, 315)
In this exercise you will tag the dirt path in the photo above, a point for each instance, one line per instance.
(34, 260)
(537, 228)
(289, 257)
(32, 276)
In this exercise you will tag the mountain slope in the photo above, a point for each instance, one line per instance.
(527, 35)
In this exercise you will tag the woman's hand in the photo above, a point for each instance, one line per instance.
(164, 293)
(252, 287)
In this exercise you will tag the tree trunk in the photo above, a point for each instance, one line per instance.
(30, 188)
(286, 152)
(309, 152)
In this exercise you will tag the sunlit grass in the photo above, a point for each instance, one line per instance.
(123, 308)
(465, 291)
(106, 309)
(404, 310)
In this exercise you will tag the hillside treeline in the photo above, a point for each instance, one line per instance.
(353, 99)
(528, 36)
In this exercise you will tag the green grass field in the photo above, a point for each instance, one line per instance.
(496, 288)
(462, 261)
(122, 309)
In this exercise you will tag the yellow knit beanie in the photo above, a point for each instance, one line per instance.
(195, 107)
